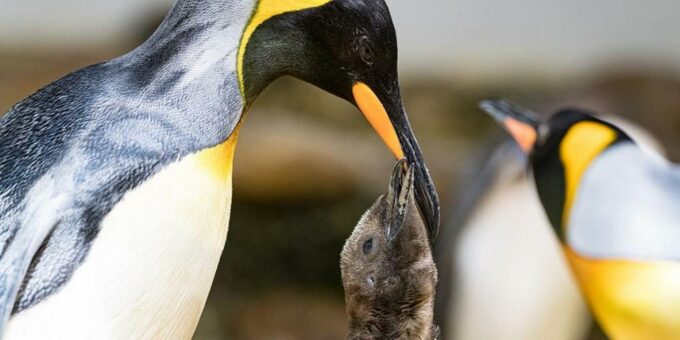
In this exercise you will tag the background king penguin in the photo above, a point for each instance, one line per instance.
(115, 181)
(614, 210)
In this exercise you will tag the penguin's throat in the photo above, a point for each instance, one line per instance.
(583, 143)
(219, 160)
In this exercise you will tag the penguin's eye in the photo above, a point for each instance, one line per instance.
(371, 281)
(368, 246)
(365, 50)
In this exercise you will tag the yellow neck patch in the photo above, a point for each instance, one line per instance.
(219, 160)
(583, 142)
(265, 10)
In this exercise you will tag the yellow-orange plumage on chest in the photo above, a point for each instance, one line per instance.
(634, 300)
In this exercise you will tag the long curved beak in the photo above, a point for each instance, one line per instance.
(521, 124)
(390, 121)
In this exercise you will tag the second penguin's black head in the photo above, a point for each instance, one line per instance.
(560, 150)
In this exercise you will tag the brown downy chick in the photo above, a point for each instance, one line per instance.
(387, 268)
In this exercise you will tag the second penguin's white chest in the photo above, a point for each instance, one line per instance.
(150, 269)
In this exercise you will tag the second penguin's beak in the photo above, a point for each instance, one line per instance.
(385, 111)
(522, 124)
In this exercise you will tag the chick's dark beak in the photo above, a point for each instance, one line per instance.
(398, 197)
(390, 121)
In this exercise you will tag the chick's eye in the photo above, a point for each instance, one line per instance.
(366, 50)
(368, 246)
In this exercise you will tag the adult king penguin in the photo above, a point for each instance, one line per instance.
(115, 183)
(615, 210)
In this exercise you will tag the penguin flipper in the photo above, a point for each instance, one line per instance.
(17, 257)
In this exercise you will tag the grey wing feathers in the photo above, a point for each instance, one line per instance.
(83, 142)
(18, 253)
(34, 136)
(88, 138)
(504, 162)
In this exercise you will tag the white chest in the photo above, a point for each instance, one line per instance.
(627, 213)
(150, 270)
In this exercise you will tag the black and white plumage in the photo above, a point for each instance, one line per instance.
(613, 207)
(507, 279)
(499, 223)
(645, 191)
(70, 152)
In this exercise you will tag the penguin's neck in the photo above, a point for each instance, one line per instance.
(202, 23)
(187, 70)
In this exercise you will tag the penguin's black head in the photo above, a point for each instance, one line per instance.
(560, 150)
(348, 48)
(333, 44)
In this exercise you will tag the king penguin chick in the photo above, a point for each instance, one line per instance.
(614, 209)
(116, 180)
(388, 272)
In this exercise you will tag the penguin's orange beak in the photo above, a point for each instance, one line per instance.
(523, 133)
(520, 123)
(384, 110)
(375, 112)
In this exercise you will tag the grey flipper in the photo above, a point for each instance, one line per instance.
(505, 160)
(626, 208)
(505, 228)
(71, 151)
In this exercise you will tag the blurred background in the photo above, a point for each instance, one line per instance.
(300, 190)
